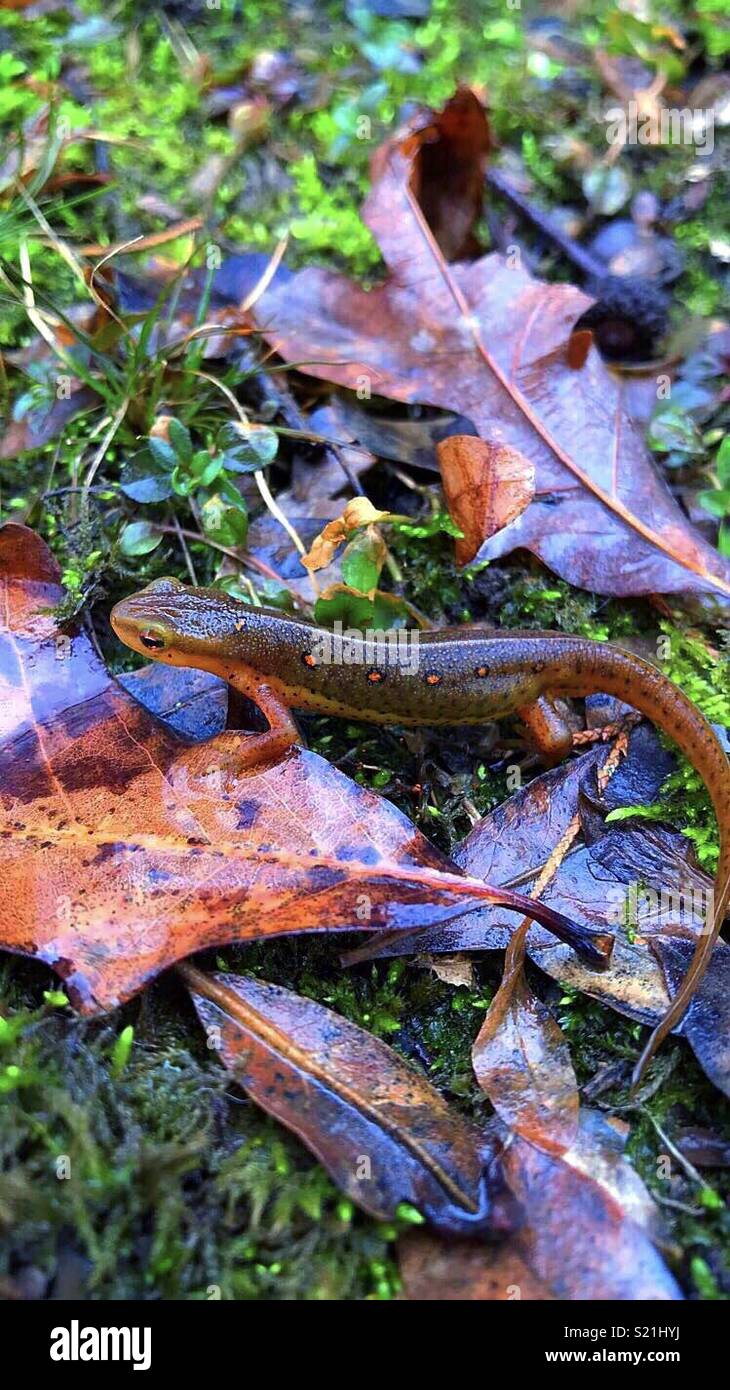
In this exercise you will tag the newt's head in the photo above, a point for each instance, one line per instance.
(175, 623)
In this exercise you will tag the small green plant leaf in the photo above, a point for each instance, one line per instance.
(162, 452)
(143, 481)
(122, 1049)
(715, 500)
(206, 468)
(353, 609)
(139, 538)
(722, 462)
(362, 560)
(227, 525)
(180, 440)
(247, 448)
(55, 998)
(672, 430)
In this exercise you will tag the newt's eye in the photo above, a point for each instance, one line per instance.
(152, 640)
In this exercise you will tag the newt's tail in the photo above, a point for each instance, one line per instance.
(599, 667)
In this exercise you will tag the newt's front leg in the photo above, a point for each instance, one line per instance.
(252, 749)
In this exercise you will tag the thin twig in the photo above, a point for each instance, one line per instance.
(260, 480)
(242, 557)
(184, 547)
(100, 453)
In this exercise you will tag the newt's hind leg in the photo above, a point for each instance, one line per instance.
(548, 729)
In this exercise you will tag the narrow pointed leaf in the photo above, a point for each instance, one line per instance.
(589, 1233)
(522, 1061)
(383, 1133)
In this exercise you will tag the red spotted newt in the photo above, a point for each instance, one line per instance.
(467, 675)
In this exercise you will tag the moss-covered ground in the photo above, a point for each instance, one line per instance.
(130, 1166)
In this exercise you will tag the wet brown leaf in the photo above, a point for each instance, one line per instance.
(647, 871)
(522, 1061)
(404, 441)
(486, 487)
(703, 1149)
(449, 159)
(588, 1230)
(706, 1025)
(489, 341)
(383, 1133)
(39, 426)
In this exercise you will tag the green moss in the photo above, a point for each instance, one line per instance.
(178, 1187)
(153, 1180)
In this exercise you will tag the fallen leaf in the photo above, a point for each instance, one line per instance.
(323, 477)
(704, 1149)
(125, 847)
(439, 1271)
(588, 1233)
(452, 970)
(449, 161)
(706, 1024)
(383, 1132)
(359, 511)
(486, 486)
(39, 426)
(649, 873)
(522, 1061)
(515, 839)
(489, 341)
(404, 441)
(194, 703)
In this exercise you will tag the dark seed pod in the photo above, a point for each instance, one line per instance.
(629, 318)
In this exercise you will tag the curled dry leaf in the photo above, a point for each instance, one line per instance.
(359, 511)
(125, 846)
(588, 1233)
(485, 339)
(449, 161)
(486, 486)
(384, 1134)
